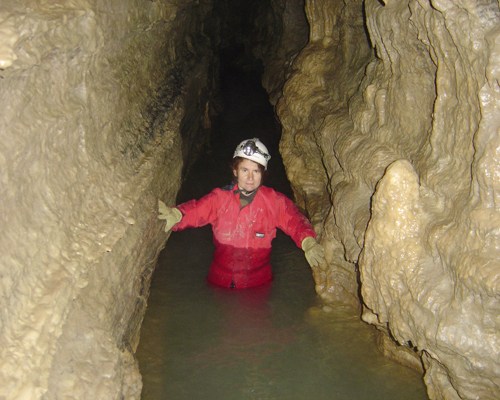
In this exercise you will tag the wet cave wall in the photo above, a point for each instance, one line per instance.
(101, 102)
(389, 112)
(391, 143)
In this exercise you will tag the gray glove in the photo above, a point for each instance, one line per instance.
(171, 215)
(315, 255)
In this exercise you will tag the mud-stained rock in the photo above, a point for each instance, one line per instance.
(406, 191)
(97, 113)
(312, 111)
(391, 138)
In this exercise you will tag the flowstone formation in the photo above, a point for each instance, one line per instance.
(96, 116)
(403, 132)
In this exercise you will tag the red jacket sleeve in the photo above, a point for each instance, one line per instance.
(292, 221)
(196, 213)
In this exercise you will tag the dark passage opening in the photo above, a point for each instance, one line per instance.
(271, 342)
(245, 113)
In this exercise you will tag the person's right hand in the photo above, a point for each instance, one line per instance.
(171, 215)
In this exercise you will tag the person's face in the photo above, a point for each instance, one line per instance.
(248, 174)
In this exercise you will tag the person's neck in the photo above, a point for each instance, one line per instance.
(246, 192)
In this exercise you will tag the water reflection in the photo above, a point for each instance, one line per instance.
(273, 342)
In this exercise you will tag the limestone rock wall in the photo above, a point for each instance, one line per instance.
(94, 122)
(281, 31)
(325, 76)
(403, 132)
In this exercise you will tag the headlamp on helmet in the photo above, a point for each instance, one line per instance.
(254, 150)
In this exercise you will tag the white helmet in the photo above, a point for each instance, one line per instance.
(253, 149)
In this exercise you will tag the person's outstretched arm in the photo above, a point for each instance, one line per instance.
(299, 228)
(193, 213)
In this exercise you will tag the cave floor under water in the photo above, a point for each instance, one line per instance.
(273, 342)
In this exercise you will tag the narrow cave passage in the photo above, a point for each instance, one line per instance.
(273, 342)
(389, 113)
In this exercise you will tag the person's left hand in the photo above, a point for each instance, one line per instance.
(315, 255)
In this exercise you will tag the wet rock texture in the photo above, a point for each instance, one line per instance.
(390, 140)
(402, 129)
(96, 118)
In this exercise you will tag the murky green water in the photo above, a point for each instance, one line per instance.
(273, 342)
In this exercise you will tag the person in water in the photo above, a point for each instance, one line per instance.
(244, 217)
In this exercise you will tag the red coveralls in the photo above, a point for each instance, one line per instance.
(242, 236)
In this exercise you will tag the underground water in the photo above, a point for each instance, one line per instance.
(273, 342)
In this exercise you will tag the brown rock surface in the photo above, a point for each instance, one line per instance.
(93, 106)
(390, 140)
(406, 141)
